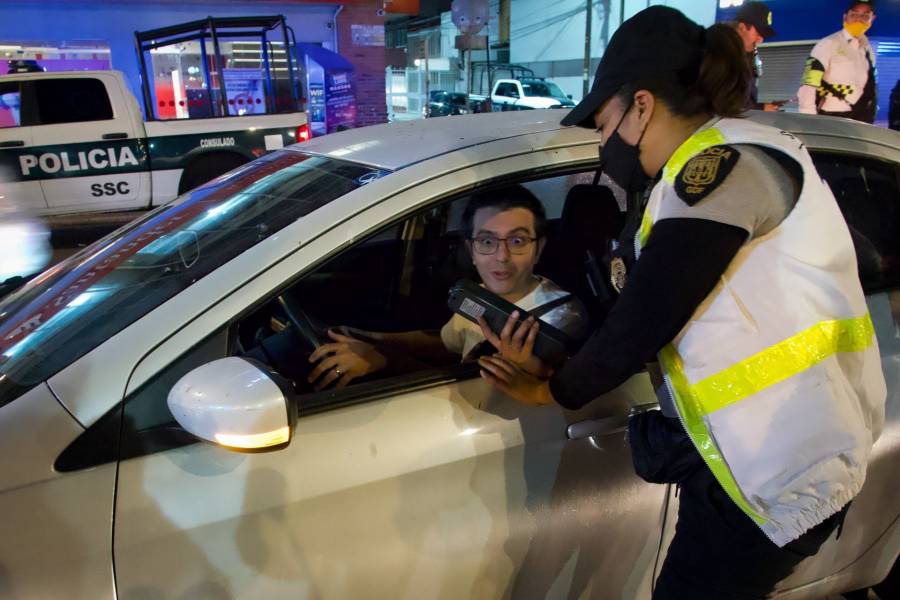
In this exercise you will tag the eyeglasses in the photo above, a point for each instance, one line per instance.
(860, 17)
(488, 244)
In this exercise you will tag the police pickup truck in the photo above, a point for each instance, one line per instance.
(528, 94)
(77, 143)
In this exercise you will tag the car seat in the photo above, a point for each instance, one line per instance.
(577, 251)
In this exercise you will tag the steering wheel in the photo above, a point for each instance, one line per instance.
(303, 325)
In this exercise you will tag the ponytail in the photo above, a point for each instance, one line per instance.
(724, 78)
(717, 84)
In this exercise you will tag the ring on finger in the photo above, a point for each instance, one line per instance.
(338, 371)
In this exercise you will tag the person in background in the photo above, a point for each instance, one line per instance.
(839, 78)
(753, 23)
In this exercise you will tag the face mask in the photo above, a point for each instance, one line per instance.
(856, 29)
(621, 161)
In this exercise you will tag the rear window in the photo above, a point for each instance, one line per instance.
(71, 309)
(72, 100)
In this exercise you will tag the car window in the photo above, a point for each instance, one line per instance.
(87, 299)
(10, 104)
(542, 88)
(71, 100)
(868, 193)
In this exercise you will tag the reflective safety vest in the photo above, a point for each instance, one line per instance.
(777, 376)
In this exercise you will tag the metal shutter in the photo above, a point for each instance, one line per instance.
(782, 69)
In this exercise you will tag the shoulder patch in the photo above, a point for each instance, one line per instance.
(704, 172)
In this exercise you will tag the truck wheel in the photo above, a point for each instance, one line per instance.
(206, 168)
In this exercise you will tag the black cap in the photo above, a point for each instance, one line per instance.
(758, 15)
(869, 3)
(657, 42)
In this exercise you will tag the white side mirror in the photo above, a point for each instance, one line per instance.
(235, 403)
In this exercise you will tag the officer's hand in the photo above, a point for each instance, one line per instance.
(515, 382)
(516, 344)
(343, 361)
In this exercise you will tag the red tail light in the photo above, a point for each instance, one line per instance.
(303, 133)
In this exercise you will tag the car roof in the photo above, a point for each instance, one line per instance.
(400, 144)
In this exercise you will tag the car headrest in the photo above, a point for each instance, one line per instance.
(591, 214)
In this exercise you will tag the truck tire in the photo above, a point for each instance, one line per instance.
(208, 167)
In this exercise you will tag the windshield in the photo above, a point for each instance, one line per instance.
(546, 89)
(69, 310)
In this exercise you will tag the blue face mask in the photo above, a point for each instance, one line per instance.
(621, 161)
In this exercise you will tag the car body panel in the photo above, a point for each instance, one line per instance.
(382, 520)
(57, 527)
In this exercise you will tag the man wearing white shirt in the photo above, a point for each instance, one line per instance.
(839, 78)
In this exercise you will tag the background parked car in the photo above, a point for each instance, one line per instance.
(528, 94)
(443, 104)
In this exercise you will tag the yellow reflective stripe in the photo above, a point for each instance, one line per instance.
(691, 147)
(646, 226)
(812, 77)
(754, 374)
(694, 145)
(782, 361)
(692, 417)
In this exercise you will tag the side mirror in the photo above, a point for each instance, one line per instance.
(569, 96)
(235, 403)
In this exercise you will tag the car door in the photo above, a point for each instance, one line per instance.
(867, 189)
(89, 152)
(426, 484)
(18, 184)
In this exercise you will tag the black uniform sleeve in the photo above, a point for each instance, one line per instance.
(679, 266)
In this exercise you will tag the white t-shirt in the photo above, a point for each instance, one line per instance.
(461, 335)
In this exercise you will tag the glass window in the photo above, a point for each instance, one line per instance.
(94, 295)
(546, 89)
(868, 193)
(10, 105)
(72, 100)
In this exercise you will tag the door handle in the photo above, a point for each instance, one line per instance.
(12, 144)
(120, 135)
(593, 427)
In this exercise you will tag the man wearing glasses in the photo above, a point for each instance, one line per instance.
(839, 79)
(506, 231)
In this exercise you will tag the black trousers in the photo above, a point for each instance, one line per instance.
(718, 553)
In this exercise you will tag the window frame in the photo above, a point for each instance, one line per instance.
(829, 153)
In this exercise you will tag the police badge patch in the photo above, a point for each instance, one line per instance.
(617, 273)
(704, 172)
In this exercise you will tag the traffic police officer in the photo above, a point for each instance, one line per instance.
(753, 23)
(839, 78)
(746, 289)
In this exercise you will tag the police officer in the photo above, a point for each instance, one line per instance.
(839, 78)
(753, 24)
(745, 287)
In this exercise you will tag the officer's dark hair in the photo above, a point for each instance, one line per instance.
(721, 86)
(505, 198)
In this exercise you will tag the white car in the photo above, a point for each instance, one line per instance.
(421, 485)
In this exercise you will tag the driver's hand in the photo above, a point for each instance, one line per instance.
(341, 362)
(515, 344)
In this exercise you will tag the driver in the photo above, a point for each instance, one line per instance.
(506, 235)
